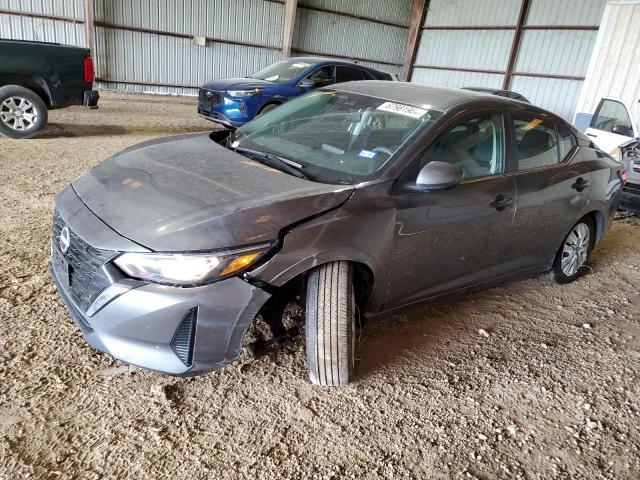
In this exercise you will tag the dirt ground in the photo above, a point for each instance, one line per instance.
(551, 391)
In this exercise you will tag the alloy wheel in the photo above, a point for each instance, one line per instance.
(18, 113)
(576, 249)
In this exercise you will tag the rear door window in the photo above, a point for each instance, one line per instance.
(536, 143)
(348, 74)
(609, 114)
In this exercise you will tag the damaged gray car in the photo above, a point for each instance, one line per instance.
(360, 198)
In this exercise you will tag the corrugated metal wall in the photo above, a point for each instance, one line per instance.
(614, 70)
(369, 33)
(471, 46)
(147, 45)
(23, 27)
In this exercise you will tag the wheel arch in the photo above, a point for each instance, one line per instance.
(34, 83)
(598, 219)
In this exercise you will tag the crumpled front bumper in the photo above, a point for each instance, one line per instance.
(141, 325)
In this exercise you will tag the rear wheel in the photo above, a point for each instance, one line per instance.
(22, 112)
(330, 324)
(574, 252)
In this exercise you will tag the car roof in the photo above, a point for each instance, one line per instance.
(318, 60)
(423, 96)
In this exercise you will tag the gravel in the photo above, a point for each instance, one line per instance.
(529, 380)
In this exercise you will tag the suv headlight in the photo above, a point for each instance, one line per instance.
(244, 93)
(188, 269)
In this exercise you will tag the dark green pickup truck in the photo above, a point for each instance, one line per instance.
(38, 76)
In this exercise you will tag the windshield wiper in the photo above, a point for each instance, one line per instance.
(273, 161)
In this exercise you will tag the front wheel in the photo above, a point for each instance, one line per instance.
(574, 253)
(330, 324)
(22, 112)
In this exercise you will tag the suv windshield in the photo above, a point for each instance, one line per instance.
(282, 72)
(337, 137)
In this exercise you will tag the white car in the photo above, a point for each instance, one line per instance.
(613, 125)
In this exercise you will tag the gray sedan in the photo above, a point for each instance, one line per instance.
(362, 198)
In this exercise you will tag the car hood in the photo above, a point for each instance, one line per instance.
(190, 193)
(236, 84)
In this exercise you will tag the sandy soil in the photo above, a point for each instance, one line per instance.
(551, 393)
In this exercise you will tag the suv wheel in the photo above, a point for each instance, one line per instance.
(574, 252)
(330, 324)
(22, 112)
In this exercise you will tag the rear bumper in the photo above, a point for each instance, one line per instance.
(143, 326)
(91, 98)
(630, 199)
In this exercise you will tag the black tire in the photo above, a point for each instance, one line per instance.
(267, 108)
(37, 109)
(330, 324)
(557, 272)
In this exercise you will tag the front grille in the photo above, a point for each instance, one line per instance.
(182, 342)
(212, 97)
(632, 188)
(87, 279)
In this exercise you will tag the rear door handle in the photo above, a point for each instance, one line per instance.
(580, 184)
(592, 135)
(501, 202)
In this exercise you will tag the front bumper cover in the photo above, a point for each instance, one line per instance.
(139, 325)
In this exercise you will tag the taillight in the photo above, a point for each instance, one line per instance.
(623, 175)
(88, 70)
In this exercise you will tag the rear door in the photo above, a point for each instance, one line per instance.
(552, 184)
(345, 73)
(611, 125)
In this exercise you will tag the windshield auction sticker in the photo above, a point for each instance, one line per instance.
(401, 109)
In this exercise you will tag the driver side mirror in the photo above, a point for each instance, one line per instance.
(438, 176)
(308, 83)
(622, 130)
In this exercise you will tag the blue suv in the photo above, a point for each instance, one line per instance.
(234, 101)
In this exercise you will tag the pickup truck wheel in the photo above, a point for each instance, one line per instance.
(22, 112)
(330, 324)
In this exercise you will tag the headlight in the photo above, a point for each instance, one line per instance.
(188, 269)
(244, 93)
(616, 153)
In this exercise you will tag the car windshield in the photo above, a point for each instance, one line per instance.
(337, 137)
(282, 72)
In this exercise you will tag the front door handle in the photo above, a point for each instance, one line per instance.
(580, 184)
(592, 135)
(501, 202)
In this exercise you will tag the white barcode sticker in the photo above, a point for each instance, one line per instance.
(401, 109)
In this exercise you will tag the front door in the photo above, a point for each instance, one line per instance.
(611, 125)
(447, 239)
